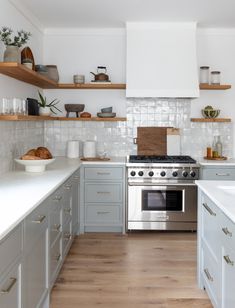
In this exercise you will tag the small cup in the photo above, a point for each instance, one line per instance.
(78, 79)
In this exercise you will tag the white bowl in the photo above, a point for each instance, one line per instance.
(35, 165)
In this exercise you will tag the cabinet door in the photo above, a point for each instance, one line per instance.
(35, 272)
(67, 202)
(228, 278)
(10, 289)
(75, 201)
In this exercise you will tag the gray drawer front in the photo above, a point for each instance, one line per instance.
(103, 173)
(10, 248)
(219, 174)
(96, 214)
(55, 224)
(66, 237)
(103, 192)
(55, 258)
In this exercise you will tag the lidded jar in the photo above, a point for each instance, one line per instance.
(215, 77)
(204, 74)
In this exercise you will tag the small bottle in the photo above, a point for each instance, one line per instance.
(209, 152)
(215, 77)
(219, 146)
(204, 74)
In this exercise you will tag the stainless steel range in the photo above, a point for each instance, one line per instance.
(162, 193)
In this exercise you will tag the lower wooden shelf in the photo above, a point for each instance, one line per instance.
(45, 118)
(210, 120)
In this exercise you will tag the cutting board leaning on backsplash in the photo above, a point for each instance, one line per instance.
(158, 141)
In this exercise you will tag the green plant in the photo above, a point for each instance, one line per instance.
(9, 39)
(52, 105)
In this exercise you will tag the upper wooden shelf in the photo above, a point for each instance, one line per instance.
(97, 86)
(210, 120)
(20, 72)
(214, 86)
(45, 118)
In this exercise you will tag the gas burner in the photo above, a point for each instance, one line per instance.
(169, 159)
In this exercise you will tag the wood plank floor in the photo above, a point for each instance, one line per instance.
(141, 270)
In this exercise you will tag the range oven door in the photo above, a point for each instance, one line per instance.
(170, 202)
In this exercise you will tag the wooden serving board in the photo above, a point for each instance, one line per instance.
(216, 158)
(94, 159)
(151, 140)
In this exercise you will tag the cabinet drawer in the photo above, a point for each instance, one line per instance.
(219, 174)
(35, 224)
(66, 237)
(10, 289)
(103, 192)
(210, 224)
(227, 230)
(96, 214)
(55, 258)
(55, 224)
(10, 248)
(55, 200)
(103, 173)
(211, 276)
(228, 277)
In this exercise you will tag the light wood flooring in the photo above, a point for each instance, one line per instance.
(141, 270)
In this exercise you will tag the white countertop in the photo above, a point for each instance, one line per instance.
(219, 163)
(21, 192)
(222, 193)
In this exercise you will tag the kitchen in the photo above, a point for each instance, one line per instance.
(77, 44)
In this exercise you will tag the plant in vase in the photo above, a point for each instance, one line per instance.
(13, 43)
(45, 108)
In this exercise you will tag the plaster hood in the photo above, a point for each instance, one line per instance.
(161, 60)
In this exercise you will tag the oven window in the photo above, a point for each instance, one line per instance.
(162, 200)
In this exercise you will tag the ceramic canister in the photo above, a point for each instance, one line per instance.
(73, 149)
(89, 148)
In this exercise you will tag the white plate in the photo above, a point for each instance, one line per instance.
(35, 165)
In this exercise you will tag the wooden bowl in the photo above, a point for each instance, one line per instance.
(77, 108)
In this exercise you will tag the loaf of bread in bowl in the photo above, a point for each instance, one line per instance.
(37, 154)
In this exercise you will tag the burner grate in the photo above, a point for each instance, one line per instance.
(162, 159)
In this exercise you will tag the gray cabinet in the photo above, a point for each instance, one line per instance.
(219, 173)
(102, 198)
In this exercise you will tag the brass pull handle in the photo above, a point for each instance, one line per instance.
(228, 260)
(227, 232)
(103, 173)
(67, 236)
(40, 219)
(11, 284)
(103, 192)
(76, 177)
(57, 198)
(67, 211)
(208, 275)
(208, 209)
(68, 186)
(103, 212)
(223, 174)
(57, 257)
(57, 227)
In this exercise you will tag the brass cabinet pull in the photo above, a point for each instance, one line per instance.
(76, 177)
(103, 192)
(57, 227)
(67, 211)
(103, 212)
(68, 186)
(57, 257)
(11, 284)
(40, 219)
(57, 198)
(67, 236)
(208, 275)
(227, 232)
(228, 260)
(103, 173)
(222, 174)
(208, 209)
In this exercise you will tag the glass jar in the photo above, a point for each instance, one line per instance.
(218, 146)
(215, 77)
(204, 74)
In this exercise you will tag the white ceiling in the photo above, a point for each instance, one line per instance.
(114, 13)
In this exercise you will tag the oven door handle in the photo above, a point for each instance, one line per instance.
(161, 184)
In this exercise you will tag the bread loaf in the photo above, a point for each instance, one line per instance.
(36, 154)
(30, 157)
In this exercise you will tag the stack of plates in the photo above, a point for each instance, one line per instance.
(106, 114)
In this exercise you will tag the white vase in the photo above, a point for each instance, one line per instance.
(44, 111)
(12, 54)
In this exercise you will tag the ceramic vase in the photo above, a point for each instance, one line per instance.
(44, 111)
(12, 54)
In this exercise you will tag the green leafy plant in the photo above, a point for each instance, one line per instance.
(10, 39)
(52, 105)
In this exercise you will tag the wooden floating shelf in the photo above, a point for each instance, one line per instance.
(210, 120)
(87, 86)
(214, 87)
(45, 118)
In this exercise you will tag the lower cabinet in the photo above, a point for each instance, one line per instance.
(219, 173)
(216, 253)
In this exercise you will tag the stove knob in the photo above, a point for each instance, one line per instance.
(174, 173)
(193, 174)
(163, 173)
(185, 174)
(141, 173)
(133, 173)
(151, 173)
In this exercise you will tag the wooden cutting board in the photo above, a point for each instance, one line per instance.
(153, 140)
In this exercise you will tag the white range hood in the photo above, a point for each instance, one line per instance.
(161, 60)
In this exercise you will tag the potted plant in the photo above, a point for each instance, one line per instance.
(45, 108)
(13, 42)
